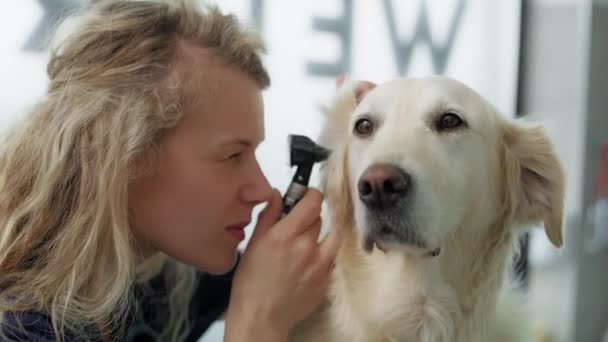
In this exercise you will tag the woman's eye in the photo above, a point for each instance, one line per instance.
(364, 127)
(448, 121)
(235, 155)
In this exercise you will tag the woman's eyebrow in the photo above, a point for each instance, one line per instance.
(238, 141)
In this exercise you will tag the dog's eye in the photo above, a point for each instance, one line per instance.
(364, 127)
(448, 122)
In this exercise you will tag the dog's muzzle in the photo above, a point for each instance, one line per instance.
(384, 190)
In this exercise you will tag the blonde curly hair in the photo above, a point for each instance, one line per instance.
(66, 247)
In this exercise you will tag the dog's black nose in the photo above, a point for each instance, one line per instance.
(382, 185)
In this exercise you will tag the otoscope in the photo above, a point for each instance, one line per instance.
(303, 153)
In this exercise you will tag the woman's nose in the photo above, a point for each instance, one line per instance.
(258, 189)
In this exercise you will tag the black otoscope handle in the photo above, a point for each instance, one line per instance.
(297, 187)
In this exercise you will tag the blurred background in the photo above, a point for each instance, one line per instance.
(542, 60)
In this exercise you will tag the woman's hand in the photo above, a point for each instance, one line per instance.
(283, 274)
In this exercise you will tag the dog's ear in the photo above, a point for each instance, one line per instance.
(360, 88)
(334, 135)
(337, 113)
(534, 179)
(335, 184)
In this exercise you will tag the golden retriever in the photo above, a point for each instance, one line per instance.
(431, 189)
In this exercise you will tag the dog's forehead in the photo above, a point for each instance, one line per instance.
(422, 90)
(424, 95)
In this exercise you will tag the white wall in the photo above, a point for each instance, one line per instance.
(22, 74)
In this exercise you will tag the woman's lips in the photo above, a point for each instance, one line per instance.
(237, 231)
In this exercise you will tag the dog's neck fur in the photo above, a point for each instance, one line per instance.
(445, 293)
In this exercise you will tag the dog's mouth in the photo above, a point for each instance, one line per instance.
(385, 238)
(385, 235)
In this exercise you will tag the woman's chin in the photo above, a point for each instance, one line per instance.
(221, 265)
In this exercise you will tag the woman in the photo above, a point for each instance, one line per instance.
(124, 193)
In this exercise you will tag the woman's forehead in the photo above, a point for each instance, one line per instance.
(231, 108)
(218, 100)
(203, 77)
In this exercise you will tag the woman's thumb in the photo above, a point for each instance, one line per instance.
(269, 216)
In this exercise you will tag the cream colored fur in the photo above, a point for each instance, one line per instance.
(477, 189)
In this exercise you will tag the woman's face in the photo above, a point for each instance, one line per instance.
(197, 201)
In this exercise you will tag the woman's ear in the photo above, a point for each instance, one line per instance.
(534, 179)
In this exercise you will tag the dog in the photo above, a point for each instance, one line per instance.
(431, 189)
